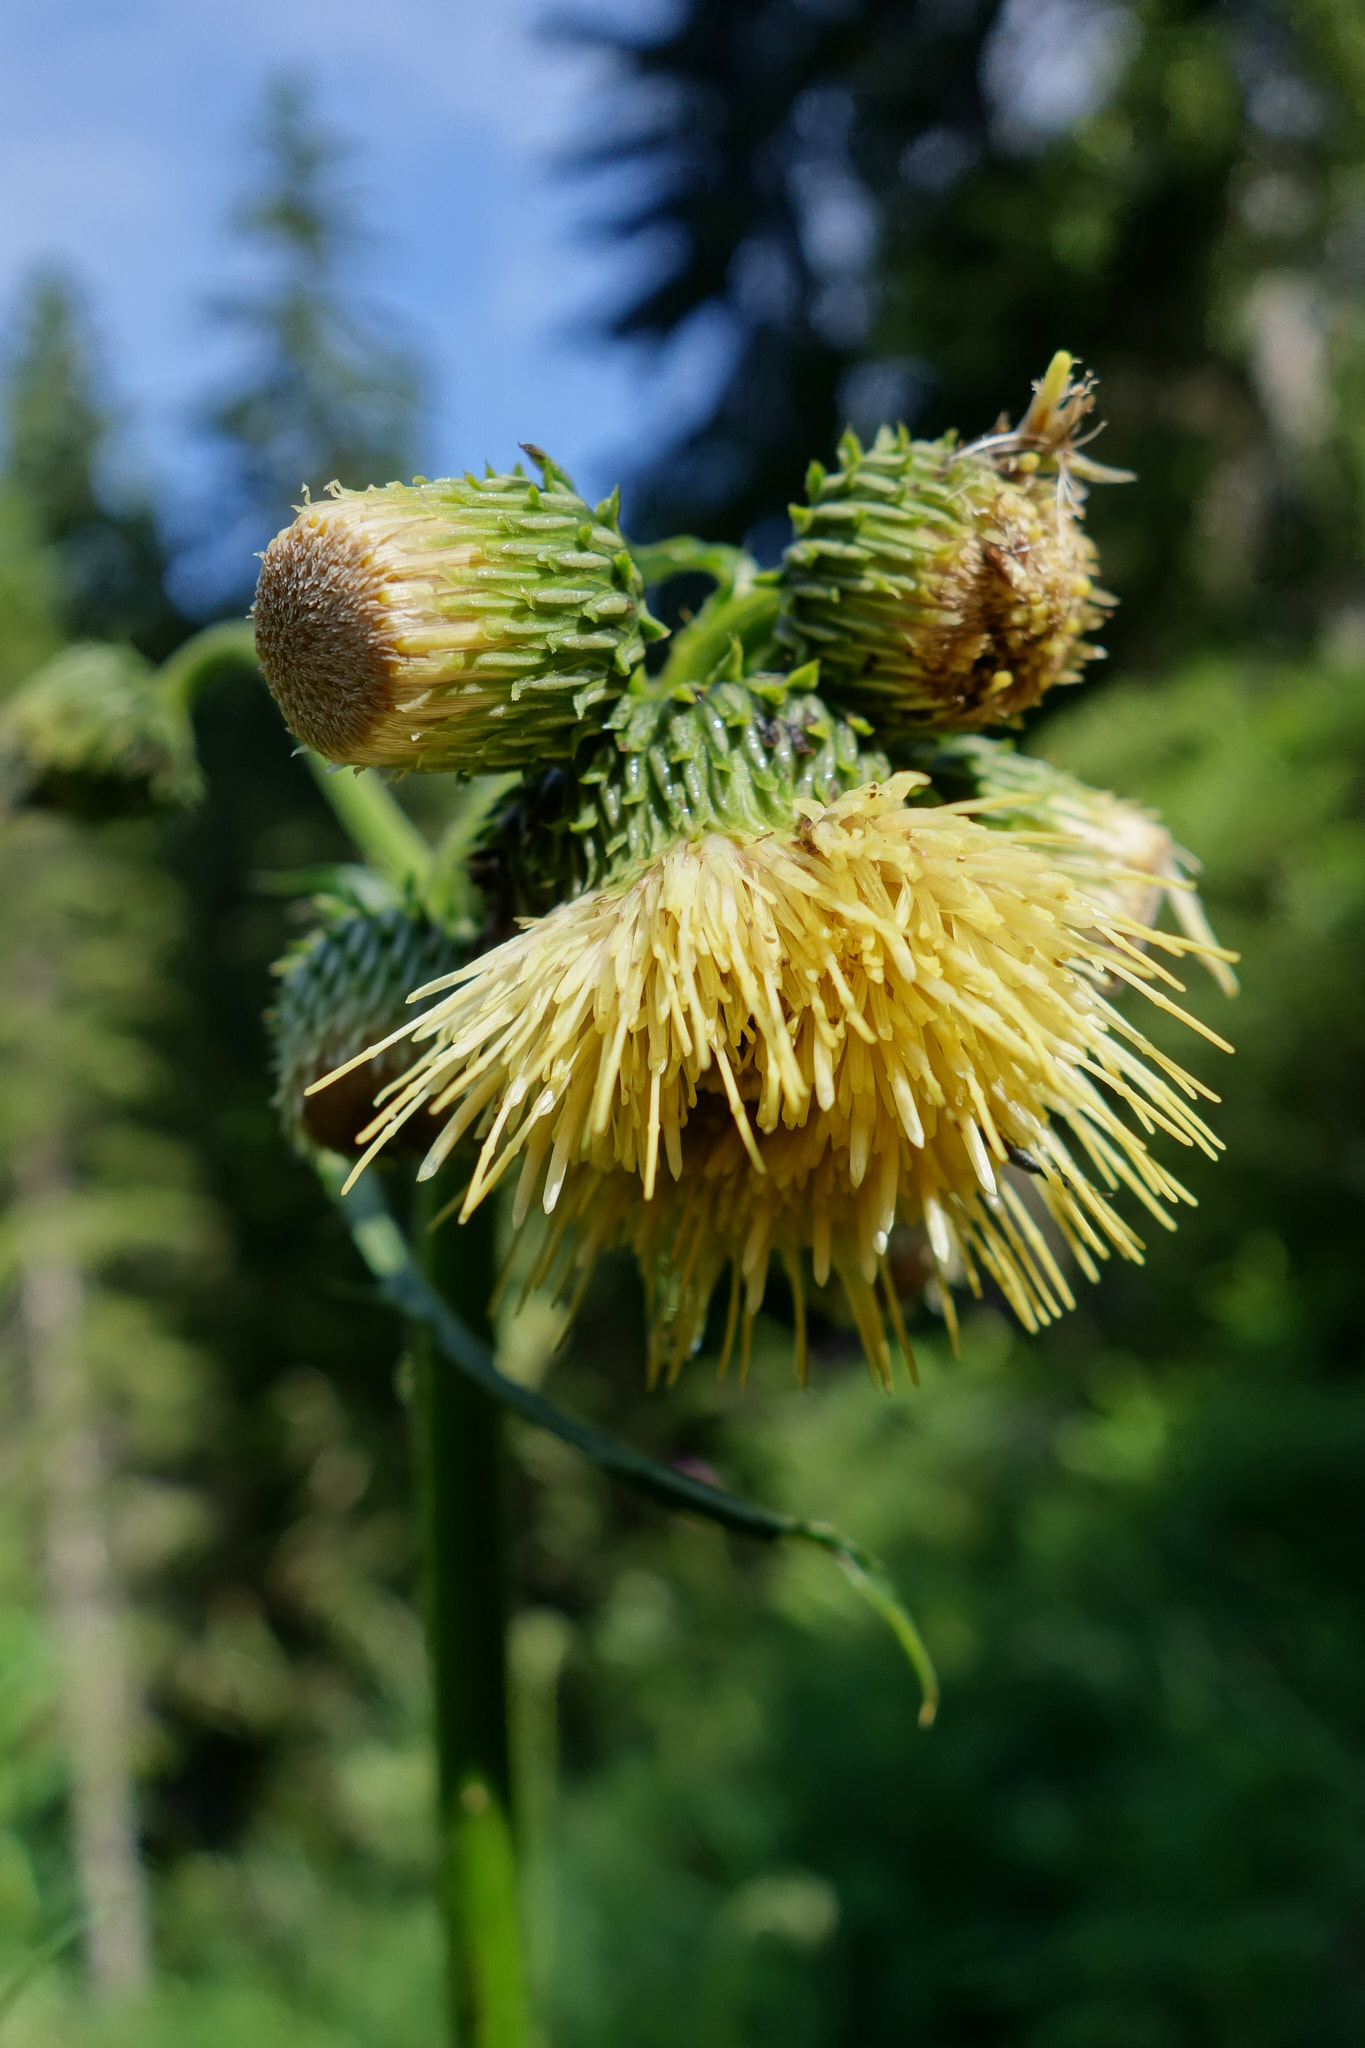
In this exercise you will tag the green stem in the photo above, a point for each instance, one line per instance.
(375, 821)
(459, 1459)
(232, 644)
(746, 615)
(35, 1963)
(683, 555)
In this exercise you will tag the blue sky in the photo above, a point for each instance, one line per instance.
(125, 127)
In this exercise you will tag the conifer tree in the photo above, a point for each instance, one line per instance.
(299, 1599)
(107, 560)
(27, 591)
(324, 394)
(99, 1225)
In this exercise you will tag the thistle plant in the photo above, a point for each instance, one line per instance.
(780, 956)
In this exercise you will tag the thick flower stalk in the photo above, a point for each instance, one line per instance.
(463, 625)
(943, 586)
(786, 1043)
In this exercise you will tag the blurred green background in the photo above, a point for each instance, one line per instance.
(1134, 1545)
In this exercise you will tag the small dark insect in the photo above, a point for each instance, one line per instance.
(1019, 1156)
(789, 725)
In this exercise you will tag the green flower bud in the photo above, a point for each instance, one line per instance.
(734, 755)
(98, 715)
(463, 625)
(340, 989)
(948, 586)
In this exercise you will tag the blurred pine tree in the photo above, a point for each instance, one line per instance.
(100, 1223)
(222, 1540)
(106, 576)
(324, 393)
(294, 1779)
(900, 210)
(27, 592)
(82, 1222)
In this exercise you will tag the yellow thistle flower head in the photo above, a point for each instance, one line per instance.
(462, 625)
(786, 1041)
(947, 586)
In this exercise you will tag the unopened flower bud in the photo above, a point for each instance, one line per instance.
(943, 586)
(341, 988)
(98, 715)
(462, 625)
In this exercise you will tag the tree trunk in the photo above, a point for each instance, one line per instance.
(97, 1695)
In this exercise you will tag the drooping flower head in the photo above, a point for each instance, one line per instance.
(461, 625)
(787, 1040)
(949, 586)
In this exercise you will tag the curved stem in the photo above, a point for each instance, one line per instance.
(232, 643)
(685, 555)
(387, 1254)
(366, 810)
(747, 615)
(377, 823)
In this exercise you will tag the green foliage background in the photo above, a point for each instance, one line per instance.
(1135, 1545)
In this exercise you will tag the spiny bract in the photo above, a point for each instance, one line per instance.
(943, 586)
